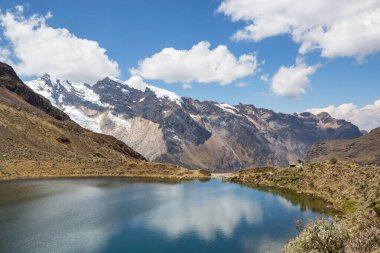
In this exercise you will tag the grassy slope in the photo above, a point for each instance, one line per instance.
(351, 188)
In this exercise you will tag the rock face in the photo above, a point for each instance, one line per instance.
(196, 134)
(363, 150)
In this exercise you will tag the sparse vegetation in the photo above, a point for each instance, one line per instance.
(319, 236)
(333, 160)
(359, 236)
(350, 188)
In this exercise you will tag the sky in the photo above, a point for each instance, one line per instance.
(285, 55)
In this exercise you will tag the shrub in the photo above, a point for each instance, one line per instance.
(319, 236)
(365, 236)
(333, 160)
(324, 236)
(205, 172)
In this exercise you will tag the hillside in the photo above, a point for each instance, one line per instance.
(363, 150)
(39, 140)
(352, 189)
(165, 127)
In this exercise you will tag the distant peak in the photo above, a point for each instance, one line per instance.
(137, 82)
(115, 79)
(324, 115)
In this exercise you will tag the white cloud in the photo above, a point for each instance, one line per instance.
(264, 78)
(19, 8)
(338, 28)
(198, 64)
(293, 81)
(41, 49)
(366, 117)
(187, 86)
(242, 84)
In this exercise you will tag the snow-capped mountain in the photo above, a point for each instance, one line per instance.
(196, 134)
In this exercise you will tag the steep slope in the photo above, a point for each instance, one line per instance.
(363, 150)
(167, 128)
(39, 140)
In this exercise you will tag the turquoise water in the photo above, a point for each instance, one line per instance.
(119, 215)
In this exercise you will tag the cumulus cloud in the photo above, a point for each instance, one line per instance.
(340, 28)
(41, 49)
(293, 81)
(198, 64)
(366, 117)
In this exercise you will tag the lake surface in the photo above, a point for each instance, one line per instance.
(120, 215)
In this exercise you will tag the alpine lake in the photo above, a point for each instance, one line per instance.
(138, 216)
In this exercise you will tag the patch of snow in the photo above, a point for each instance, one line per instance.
(119, 122)
(92, 123)
(136, 82)
(40, 87)
(60, 99)
(228, 108)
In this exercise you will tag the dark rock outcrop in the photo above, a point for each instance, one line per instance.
(10, 81)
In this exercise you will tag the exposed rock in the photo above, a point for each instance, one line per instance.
(63, 139)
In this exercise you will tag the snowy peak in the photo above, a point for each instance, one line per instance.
(55, 88)
(228, 108)
(136, 82)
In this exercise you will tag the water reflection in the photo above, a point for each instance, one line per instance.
(68, 222)
(205, 214)
(114, 215)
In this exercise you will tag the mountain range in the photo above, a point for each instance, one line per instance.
(165, 127)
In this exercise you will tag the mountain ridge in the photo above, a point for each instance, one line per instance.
(363, 150)
(196, 134)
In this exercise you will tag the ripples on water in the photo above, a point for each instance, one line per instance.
(118, 215)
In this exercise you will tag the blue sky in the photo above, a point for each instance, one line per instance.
(134, 30)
